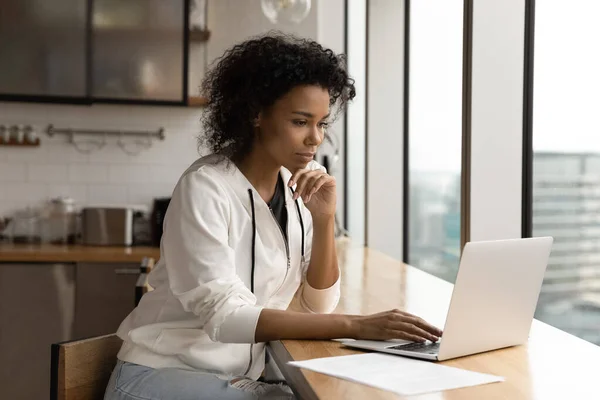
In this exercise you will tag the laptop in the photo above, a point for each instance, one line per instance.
(492, 305)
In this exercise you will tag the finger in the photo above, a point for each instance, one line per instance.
(327, 180)
(420, 323)
(425, 325)
(296, 175)
(415, 330)
(311, 186)
(321, 181)
(302, 182)
(394, 334)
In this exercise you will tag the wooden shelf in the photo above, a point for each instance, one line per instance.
(197, 101)
(123, 33)
(20, 144)
(198, 35)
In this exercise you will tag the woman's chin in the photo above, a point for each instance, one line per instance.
(302, 160)
(301, 165)
(295, 165)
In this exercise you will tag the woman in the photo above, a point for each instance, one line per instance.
(246, 228)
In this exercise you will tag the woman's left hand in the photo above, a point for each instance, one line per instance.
(318, 191)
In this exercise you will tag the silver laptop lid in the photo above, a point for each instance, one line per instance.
(495, 295)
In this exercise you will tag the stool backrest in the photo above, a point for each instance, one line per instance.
(80, 369)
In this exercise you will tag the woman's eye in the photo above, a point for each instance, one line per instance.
(324, 125)
(299, 122)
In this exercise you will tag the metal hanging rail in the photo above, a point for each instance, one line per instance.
(51, 131)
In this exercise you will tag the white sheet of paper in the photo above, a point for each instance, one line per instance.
(401, 375)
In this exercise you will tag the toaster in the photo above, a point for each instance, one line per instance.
(107, 226)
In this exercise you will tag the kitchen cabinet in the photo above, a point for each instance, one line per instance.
(138, 49)
(45, 303)
(37, 303)
(105, 295)
(108, 51)
(43, 48)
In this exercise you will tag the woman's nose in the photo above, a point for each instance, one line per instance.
(315, 138)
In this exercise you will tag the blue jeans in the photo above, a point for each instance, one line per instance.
(136, 382)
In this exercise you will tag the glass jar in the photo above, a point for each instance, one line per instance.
(24, 227)
(60, 218)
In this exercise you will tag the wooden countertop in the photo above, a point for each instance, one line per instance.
(75, 253)
(552, 365)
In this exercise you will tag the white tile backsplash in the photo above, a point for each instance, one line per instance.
(131, 173)
(75, 191)
(28, 193)
(111, 154)
(108, 194)
(139, 193)
(64, 151)
(12, 172)
(24, 155)
(31, 175)
(47, 173)
(168, 175)
(88, 173)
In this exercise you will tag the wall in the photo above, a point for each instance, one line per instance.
(331, 33)
(231, 21)
(356, 120)
(385, 139)
(30, 175)
(497, 119)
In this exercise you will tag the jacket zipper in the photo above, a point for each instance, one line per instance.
(287, 252)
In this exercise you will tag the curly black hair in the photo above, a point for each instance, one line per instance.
(253, 75)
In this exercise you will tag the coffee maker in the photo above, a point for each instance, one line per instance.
(159, 210)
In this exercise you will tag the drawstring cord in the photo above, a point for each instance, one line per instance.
(254, 234)
(253, 240)
(301, 222)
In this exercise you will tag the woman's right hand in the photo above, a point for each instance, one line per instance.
(394, 324)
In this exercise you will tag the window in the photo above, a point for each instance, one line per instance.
(566, 163)
(435, 136)
(355, 120)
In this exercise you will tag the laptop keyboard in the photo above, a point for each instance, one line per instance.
(427, 348)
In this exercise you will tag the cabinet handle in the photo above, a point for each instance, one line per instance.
(127, 271)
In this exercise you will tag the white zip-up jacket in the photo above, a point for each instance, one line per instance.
(202, 313)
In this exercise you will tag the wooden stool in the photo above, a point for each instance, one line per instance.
(80, 369)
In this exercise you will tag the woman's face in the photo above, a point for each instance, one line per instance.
(292, 129)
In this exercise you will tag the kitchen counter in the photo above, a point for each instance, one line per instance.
(75, 253)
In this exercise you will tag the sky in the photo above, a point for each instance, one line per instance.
(435, 85)
(566, 115)
(566, 108)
